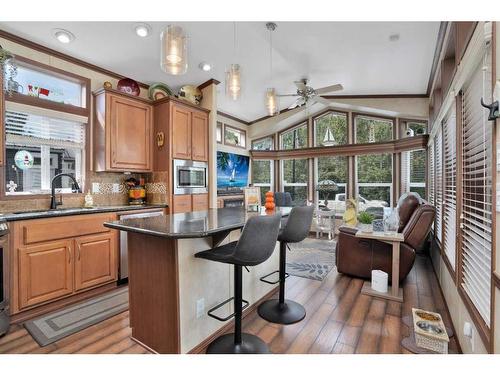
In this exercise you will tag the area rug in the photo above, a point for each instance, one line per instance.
(311, 258)
(57, 325)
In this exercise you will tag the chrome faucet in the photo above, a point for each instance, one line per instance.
(53, 202)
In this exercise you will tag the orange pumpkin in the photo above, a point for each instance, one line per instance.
(270, 206)
(269, 194)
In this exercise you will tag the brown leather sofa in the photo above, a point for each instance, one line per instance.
(358, 257)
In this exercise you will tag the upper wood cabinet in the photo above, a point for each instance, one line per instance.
(199, 136)
(181, 132)
(123, 133)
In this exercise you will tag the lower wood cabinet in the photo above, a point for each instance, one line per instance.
(200, 202)
(45, 272)
(59, 257)
(182, 203)
(95, 260)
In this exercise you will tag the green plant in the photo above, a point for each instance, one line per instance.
(365, 218)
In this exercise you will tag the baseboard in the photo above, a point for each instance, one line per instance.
(202, 346)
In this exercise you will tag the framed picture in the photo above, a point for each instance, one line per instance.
(252, 199)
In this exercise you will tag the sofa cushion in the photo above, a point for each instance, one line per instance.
(406, 207)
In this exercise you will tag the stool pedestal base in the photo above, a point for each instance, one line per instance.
(250, 344)
(287, 313)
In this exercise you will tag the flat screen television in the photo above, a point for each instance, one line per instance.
(232, 172)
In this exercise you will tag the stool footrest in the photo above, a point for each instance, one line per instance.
(263, 278)
(225, 319)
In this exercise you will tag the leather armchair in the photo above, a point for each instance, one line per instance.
(358, 257)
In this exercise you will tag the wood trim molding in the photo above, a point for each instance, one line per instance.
(208, 83)
(496, 279)
(62, 56)
(202, 346)
(437, 53)
(231, 117)
(395, 146)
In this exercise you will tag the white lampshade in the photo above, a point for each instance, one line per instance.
(233, 81)
(174, 50)
(272, 102)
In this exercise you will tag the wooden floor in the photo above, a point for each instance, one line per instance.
(339, 320)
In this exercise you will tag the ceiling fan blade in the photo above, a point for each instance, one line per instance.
(319, 99)
(327, 89)
(288, 95)
(297, 103)
(301, 85)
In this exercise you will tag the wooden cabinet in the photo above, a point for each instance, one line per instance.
(59, 257)
(123, 133)
(95, 260)
(2, 111)
(199, 137)
(45, 272)
(200, 202)
(182, 203)
(181, 132)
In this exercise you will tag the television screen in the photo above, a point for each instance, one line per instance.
(232, 171)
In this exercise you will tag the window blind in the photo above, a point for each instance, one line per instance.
(476, 217)
(33, 129)
(431, 173)
(450, 185)
(438, 147)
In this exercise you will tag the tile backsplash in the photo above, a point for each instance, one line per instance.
(107, 189)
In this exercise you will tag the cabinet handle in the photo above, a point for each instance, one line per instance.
(69, 254)
(79, 251)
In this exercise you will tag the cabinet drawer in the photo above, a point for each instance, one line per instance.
(41, 230)
(182, 203)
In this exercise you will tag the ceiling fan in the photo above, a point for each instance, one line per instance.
(308, 95)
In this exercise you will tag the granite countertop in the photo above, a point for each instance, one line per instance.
(40, 214)
(191, 225)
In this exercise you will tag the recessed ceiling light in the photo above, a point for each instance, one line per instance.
(206, 67)
(142, 30)
(394, 37)
(63, 36)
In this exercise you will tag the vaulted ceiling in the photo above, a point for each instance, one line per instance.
(359, 55)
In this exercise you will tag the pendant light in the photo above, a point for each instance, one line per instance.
(271, 97)
(233, 74)
(174, 50)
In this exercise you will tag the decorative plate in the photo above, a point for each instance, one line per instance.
(158, 91)
(128, 86)
(191, 93)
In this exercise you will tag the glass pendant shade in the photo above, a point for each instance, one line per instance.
(174, 50)
(233, 81)
(272, 102)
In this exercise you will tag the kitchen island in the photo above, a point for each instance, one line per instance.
(170, 290)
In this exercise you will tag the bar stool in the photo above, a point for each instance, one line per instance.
(256, 245)
(283, 311)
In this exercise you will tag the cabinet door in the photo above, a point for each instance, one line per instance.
(200, 202)
(182, 203)
(199, 129)
(181, 132)
(45, 272)
(130, 134)
(95, 260)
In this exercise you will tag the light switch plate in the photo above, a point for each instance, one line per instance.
(200, 307)
(95, 187)
(116, 188)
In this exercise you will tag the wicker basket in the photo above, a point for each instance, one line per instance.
(430, 333)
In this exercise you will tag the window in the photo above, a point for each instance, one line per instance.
(374, 183)
(294, 138)
(219, 132)
(413, 172)
(416, 127)
(477, 194)
(371, 129)
(295, 177)
(264, 144)
(450, 185)
(37, 148)
(330, 129)
(37, 81)
(234, 137)
(331, 169)
(431, 174)
(262, 176)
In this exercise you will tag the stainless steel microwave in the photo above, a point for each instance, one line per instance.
(190, 177)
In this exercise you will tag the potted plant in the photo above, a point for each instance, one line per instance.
(365, 220)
